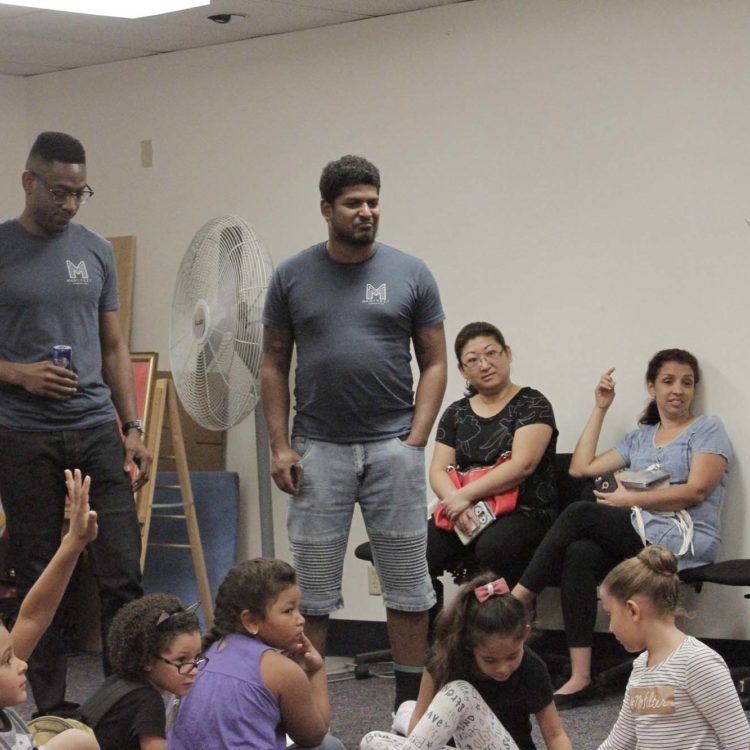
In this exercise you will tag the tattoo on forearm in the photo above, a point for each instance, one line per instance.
(277, 341)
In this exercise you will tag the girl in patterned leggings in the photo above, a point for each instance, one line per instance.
(481, 681)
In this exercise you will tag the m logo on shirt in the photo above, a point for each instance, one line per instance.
(376, 295)
(77, 274)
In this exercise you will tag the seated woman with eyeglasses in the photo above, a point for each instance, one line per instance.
(495, 417)
(154, 648)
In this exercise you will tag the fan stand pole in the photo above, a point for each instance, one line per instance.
(264, 483)
(165, 414)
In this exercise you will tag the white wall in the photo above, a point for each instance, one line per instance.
(13, 130)
(573, 171)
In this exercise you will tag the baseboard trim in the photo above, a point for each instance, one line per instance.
(350, 637)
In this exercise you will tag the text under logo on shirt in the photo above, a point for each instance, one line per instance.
(375, 295)
(77, 274)
(658, 699)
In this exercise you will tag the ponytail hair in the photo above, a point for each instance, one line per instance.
(651, 413)
(466, 622)
(651, 573)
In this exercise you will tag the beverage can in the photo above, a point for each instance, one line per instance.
(62, 356)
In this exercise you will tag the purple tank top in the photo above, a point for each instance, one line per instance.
(229, 705)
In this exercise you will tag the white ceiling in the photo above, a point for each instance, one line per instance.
(41, 41)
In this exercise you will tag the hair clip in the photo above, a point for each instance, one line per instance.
(486, 590)
(164, 616)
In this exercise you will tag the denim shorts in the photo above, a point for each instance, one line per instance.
(387, 479)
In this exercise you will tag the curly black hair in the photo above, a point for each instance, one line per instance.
(251, 585)
(135, 638)
(345, 172)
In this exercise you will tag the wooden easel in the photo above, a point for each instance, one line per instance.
(164, 414)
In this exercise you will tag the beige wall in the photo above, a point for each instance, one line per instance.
(13, 137)
(576, 172)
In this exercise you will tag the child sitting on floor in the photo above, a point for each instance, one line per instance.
(33, 619)
(263, 678)
(680, 695)
(154, 647)
(481, 681)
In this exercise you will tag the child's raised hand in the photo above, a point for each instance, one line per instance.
(305, 654)
(83, 527)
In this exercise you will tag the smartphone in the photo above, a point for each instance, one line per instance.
(484, 517)
(605, 482)
(298, 475)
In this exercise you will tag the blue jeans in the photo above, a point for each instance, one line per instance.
(386, 478)
(32, 491)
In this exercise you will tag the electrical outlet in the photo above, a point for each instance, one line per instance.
(373, 582)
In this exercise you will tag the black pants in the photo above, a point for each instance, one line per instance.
(32, 489)
(586, 541)
(504, 547)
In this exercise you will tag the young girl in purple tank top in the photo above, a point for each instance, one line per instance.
(264, 679)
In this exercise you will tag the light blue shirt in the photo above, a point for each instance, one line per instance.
(705, 435)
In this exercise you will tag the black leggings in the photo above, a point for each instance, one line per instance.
(586, 541)
(505, 547)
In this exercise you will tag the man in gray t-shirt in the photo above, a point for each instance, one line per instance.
(353, 307)
(58, 286)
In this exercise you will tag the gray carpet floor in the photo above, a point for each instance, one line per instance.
(362, 705)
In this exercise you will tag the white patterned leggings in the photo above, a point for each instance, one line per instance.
(457, 711)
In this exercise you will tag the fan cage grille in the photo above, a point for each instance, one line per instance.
(216, 326)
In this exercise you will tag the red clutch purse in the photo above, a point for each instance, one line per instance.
(500, 504)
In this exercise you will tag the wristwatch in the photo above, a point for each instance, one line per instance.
(134, 424)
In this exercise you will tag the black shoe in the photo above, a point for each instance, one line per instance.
(564, 701)
(65, 710)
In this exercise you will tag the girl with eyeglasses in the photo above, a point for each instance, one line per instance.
(264, 680)
(495, 417)
(155, 649)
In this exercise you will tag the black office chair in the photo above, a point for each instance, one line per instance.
(569, 489)
(725, 573)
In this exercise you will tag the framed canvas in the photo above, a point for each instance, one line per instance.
(145, 365)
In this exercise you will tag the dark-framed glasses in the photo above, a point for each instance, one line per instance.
(491, 357)
(61, 195)
(186, 667)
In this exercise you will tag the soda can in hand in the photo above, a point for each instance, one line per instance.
(62, 356)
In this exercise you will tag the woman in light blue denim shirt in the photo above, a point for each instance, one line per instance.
(589, 539)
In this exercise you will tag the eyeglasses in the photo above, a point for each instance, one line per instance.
(491, 357)
(61, 195)
(186, 667)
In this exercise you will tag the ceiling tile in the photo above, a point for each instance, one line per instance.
(40, 41)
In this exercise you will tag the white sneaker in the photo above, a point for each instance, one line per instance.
(402, 717)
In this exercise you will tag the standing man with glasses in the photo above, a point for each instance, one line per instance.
(353, 307)
(58, 286)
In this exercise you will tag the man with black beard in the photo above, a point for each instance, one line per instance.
(353, 307)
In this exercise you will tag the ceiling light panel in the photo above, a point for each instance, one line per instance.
(112, 8)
